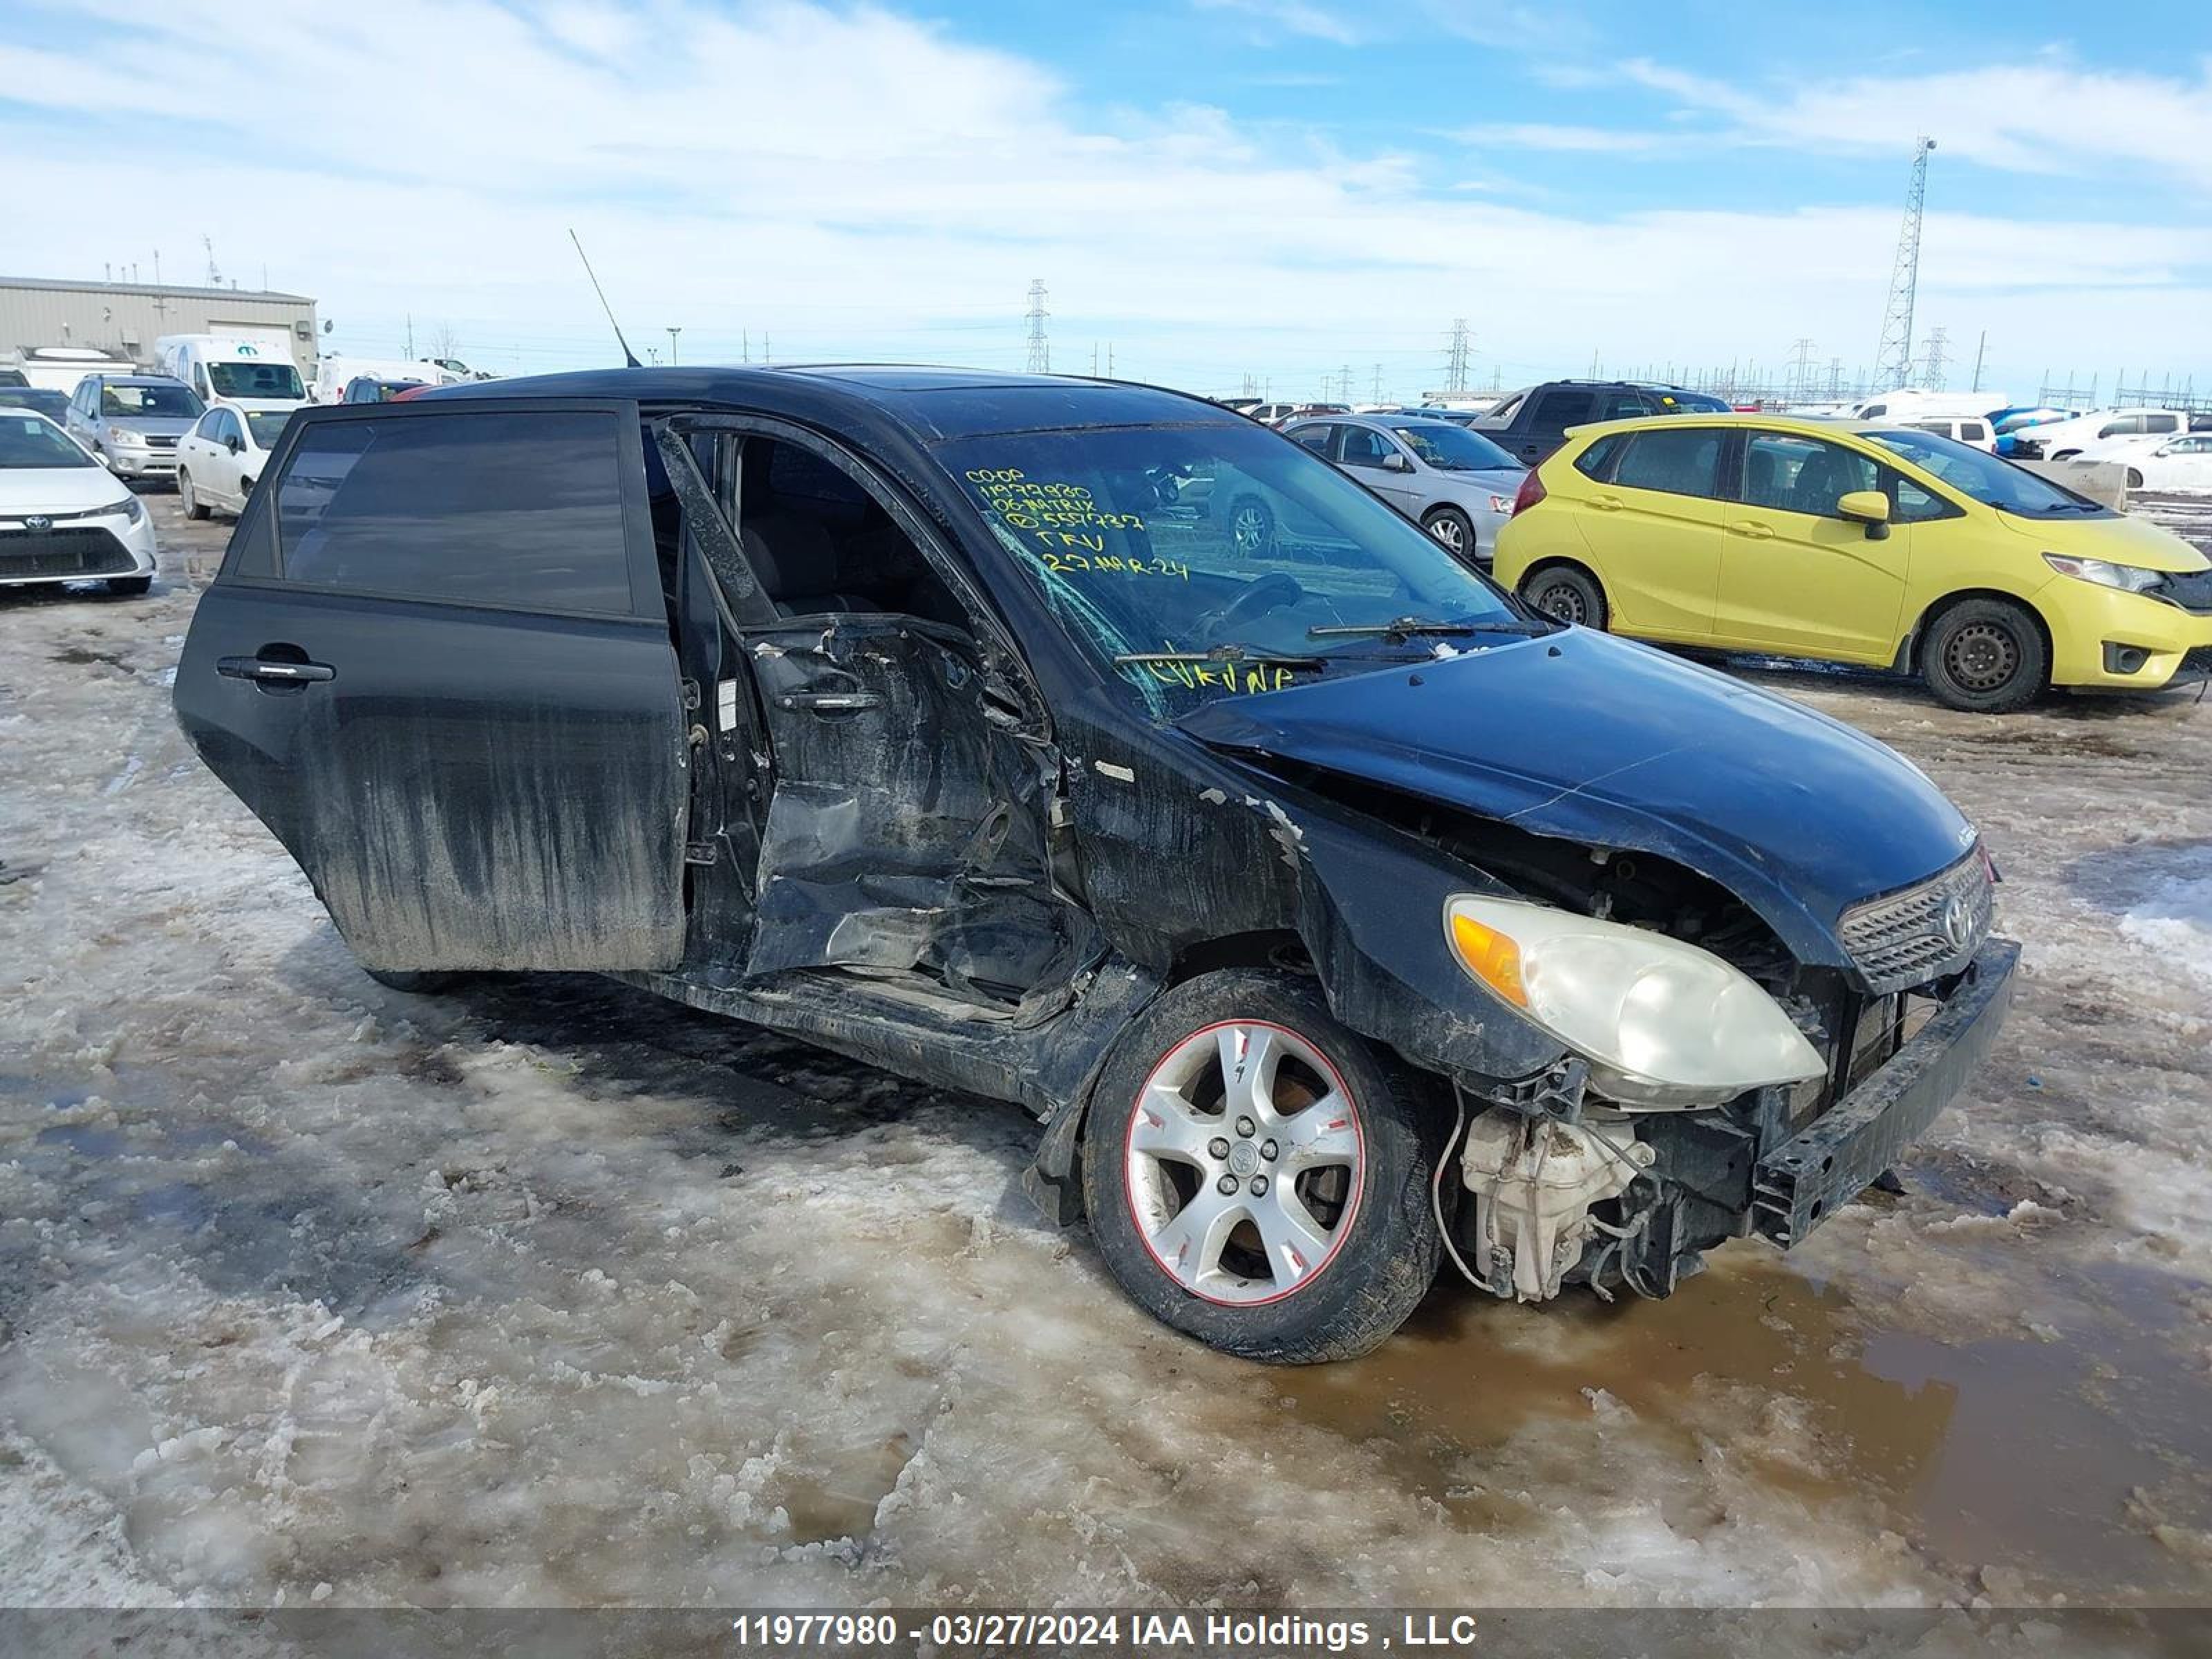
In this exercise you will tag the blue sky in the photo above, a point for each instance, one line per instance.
(1276, 189)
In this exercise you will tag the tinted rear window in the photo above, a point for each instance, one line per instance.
(1682, 461)
(519, 510)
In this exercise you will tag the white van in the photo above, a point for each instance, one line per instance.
(58, 368)
(252, 373)
(1913, 404)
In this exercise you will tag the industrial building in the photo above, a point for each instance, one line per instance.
(129, 317)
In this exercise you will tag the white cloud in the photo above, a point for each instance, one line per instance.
(856, 182)
(2039, 117)
(1295, 17)
(1537, 135)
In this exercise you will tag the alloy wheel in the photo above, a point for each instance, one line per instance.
(1248, 527)
(1244, 1162)
(1447, 531)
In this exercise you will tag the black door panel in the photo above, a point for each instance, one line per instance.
(500, 783)
(469, 788)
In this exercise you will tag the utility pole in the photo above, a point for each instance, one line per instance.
(214, 275)
(1893, 357)
(1378, 383)
(411, 336)
(672, 333)
(1344, 379)
(1456, 361)
(1039, 360)
(1980, 352)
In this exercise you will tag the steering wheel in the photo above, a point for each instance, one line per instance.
(1270, 593)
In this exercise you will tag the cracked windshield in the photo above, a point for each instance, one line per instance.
(1204, 562)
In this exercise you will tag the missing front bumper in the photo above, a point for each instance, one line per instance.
(1809, 1177)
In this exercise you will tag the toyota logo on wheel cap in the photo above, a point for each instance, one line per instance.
(38, 521)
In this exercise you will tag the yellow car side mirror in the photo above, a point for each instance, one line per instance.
(1868, 507)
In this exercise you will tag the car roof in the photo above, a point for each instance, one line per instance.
(934, 404)
(1809, 426)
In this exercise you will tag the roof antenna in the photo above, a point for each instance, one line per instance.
(629, 357)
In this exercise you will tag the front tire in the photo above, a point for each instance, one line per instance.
(1986, 657)
(1567, 593)
(1454, 532)
(194, 507)
(1257, 1177)
(2135, 479)
(427, 984)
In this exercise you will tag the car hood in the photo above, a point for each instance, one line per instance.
(256, 405)
(57, 488)
(2125, 539)
(151, 425)
(1594, 739)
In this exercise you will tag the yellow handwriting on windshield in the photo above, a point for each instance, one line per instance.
(1219, 677)
(1059, 516)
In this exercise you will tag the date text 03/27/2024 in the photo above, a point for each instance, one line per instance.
(1061, 1630)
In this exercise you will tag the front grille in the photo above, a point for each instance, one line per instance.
(70, 552)
(2190, 590)
(1908, 938)
(160, 440)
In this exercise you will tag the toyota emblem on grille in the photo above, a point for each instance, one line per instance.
(1957, 922)
(38, 521)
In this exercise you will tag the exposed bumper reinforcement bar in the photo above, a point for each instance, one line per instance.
(1809, 1177)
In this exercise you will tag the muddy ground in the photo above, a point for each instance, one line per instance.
(550, 1292)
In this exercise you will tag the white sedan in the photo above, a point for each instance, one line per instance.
(2169, 462)
(64, 517)
(220, 459)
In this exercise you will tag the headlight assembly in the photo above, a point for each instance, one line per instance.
(2128, 578)
(130, 506)
(1662, 1023)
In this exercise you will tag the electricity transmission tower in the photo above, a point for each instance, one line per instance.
(1801, 368)
(1040, 347)
(1893, 357)
(1455, 363)
(1939, 340)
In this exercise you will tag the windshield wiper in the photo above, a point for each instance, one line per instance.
(1231, 653)
(1406, 627)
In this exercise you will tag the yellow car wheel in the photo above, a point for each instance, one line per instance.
(1567, 592)
(1986, 656)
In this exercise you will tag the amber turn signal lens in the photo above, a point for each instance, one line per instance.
(1491, 956)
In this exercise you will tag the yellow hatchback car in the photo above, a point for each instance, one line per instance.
(1862, 543)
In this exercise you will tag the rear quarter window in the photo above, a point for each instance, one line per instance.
(520, 510)
(1596, 462)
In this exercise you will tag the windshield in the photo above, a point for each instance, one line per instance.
(267, 425)
(1453, 448)
(29, 442)
(126, 399)
(1980, 475)
(1169, 539)
(255, 380)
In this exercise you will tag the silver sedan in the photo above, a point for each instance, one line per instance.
(1455, 484)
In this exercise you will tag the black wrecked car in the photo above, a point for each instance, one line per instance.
(1329, 910)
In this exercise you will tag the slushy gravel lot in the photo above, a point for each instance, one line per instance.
(549, 1292)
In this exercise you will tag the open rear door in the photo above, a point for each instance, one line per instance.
(437, 666)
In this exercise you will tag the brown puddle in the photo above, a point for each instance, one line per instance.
(2018, 1453)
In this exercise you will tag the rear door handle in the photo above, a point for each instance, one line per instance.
(1756, 532)
(829, 702)
(271, 671)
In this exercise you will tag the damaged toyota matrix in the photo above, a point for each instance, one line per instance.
(1332, 912)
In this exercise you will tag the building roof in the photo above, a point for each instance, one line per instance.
(170, 290)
